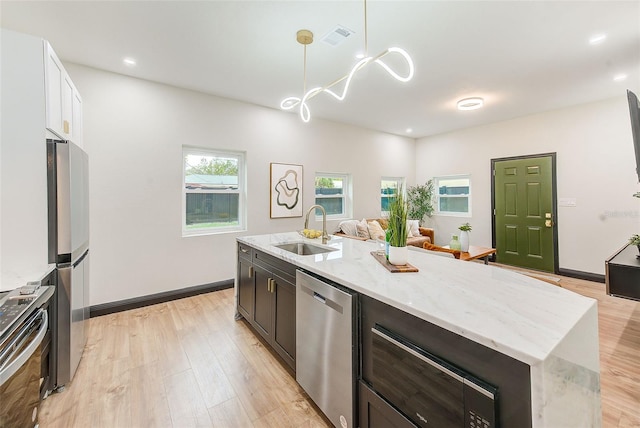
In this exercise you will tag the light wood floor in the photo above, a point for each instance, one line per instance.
(188, 363)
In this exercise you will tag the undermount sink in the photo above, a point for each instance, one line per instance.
(303, 248)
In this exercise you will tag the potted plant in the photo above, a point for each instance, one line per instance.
(420, 201)
(635, 240)
(464, 237)
(398, 252)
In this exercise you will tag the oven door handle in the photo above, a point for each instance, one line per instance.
(11, 368)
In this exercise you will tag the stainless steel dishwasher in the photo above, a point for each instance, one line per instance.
(325, 346)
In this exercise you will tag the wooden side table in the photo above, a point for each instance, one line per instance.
(476, 252)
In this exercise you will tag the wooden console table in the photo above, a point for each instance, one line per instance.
(623, 273)
(475, 252)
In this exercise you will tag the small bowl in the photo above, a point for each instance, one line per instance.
(316, 233)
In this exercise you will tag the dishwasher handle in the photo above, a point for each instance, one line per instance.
(321, 299)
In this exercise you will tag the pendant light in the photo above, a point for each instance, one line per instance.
(305, 37)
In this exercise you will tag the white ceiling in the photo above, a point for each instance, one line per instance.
(522, 57)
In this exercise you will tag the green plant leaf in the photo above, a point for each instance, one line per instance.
(420, 201)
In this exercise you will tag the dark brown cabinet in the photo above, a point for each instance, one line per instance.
(509, 379)
(623, 273)
(267, 299)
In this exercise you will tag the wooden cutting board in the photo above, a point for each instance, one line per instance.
(393, 268)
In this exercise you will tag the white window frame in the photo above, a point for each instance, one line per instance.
(400, 181)
(241, 191)
(436, 184)
(346, 194)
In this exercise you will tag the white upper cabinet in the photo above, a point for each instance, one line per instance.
(63, 101)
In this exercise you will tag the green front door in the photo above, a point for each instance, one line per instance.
(524, 212)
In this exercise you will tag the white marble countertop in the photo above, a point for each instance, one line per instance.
(514, 314)
(11, 279)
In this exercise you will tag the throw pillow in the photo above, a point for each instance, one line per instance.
(414, 227)
(349, 227)
(375, 230)
(383, 223)
(363, 230)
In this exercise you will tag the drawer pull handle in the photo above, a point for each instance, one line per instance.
(250, 271)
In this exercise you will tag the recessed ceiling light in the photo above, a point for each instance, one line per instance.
(129, 61)
(409, 130)
(359, 55)
(470, 103)
(596, 39)
(619, 77)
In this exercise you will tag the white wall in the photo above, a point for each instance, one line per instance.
(23, 166)
(134, 131)
(595, 165)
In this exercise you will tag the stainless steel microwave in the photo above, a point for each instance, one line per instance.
(427, 389)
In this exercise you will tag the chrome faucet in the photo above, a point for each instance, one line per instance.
(325, 236)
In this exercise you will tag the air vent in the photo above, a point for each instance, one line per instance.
(337, 35)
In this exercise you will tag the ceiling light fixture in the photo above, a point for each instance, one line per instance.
(409, 130)
(472, 103)
(619, 77)
(129, 61)
(597, 39)
(305, 37)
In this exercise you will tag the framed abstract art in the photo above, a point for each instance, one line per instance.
(286, 190)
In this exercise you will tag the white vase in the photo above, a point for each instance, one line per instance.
(398, 255)
(464, 241)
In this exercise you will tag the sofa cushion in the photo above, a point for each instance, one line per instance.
(414, 227)
(363, 229)
(418, 241)
(375, 230)
(349, 227)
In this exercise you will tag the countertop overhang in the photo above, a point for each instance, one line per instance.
(511, 313)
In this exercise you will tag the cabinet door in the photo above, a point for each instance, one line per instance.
(375, 412)
(67, 106)
(246, 288)
(263, 308)
(54, 72)
(285, 321)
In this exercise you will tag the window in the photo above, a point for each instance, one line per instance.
(214, 186)
(388, 190)
(453, 195)
(333, 192)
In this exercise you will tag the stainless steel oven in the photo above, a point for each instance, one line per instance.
(427, 389)
(24, 324)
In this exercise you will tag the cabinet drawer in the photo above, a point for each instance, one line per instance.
(245, 251)
(285, 269)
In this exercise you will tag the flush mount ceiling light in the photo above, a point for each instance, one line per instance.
(129, 61)
(597, 39)
(470, 103)
(305, 37)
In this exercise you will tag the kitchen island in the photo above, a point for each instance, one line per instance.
(550, 330)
